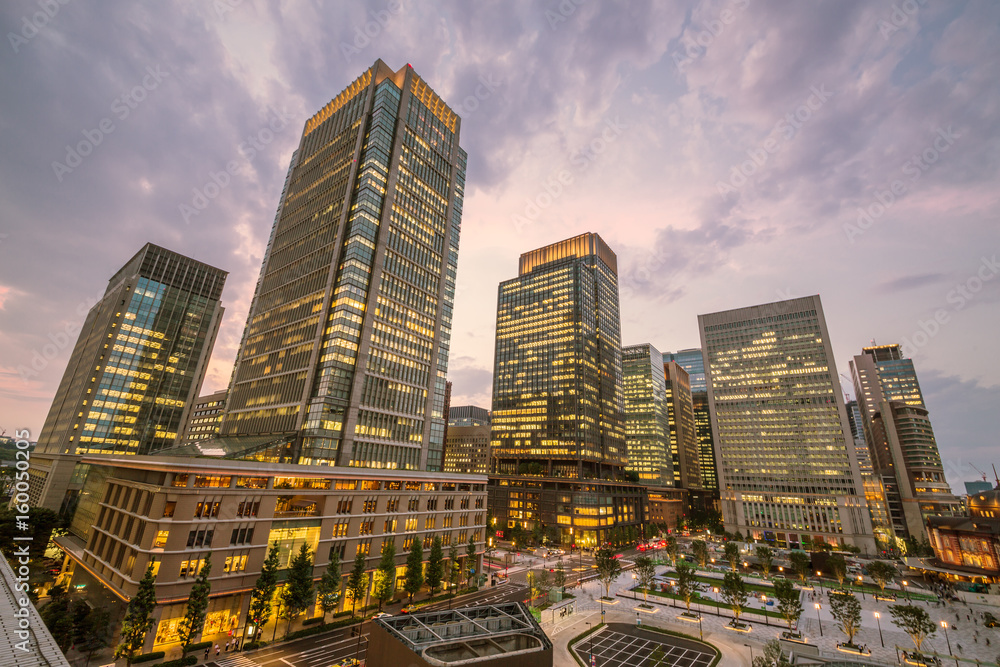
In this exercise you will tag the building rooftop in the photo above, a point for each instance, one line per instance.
(35, 647)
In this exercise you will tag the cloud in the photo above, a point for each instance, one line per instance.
(910, 282)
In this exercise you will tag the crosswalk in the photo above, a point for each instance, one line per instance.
(238, 660)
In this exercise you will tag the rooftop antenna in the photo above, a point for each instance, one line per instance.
(995, 475)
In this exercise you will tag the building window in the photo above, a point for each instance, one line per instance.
(429, 523)
(344, 506)
(432, 504)
(364, 548)
(366, 527)
(370, 504)
(180, 480)
(449, 504)
(161, 539)
(235, 563)
(241, 536)
(411, 525)
(412, 504)
(390, 526)
(206, 509)
(392, 505)
(340, 528)
(168, 508)
(214, 481)
(200, 538)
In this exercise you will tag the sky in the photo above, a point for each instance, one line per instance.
(730, 152)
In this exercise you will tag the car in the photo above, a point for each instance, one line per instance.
(989, 620)
(408, 609)
(382, 614)
(347, 662)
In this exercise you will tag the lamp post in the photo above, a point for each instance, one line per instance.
(701, 633)
(905, 585)
(763, 599)
(718, 611)
(944, 624)
(877, 617)
(819, 620)
(818, 575)
(591, 644)
(633, 586)
(751, 652)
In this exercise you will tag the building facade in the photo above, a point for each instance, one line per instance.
(969, 546)
(904, 452)
(787, 469)
(647, 426)
(683, 438)
(345, 354)
(175, 512)
(666, 508)
(203, 420)
(693, 362)
(135, 370)
(468, 446)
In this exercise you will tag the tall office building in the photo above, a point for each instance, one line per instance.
(693, 362)
(901, 440)
(203, 420)
(680, 417)
(135, 370)
(647, 425)
(467, 449)
(856, 422)
(345, 353)
(558, 403)
(787, 470)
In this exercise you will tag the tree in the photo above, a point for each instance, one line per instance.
(837, 566)
(534, 589)
(358, 581)
(386, 573)
(671, 548)
(700, 551)
(298, 591)
(470, 558)
(732, 552)
(194, 617)
(800, 564)
(914, 621)
(765, 555)
(559, 580)
(543, 581)
(435, 566)
(846, 610)
(137, 618)
(734, 592)
(57, 618)
(687, 583)
(789, 601)
(608, 568)
(645, 572)
(882, 573)
(772, 656)
(414, 570)
(454, 568)
(263, 591)
(329, 585)
(94, 633)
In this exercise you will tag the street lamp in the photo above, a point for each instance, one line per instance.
(751, 652)
(944, 624)
(633, 586)
(763, 599)
(818, 575)
(905, 584)
(860, 582)
(718, 612)
(818, 620)
(877, 617)
(591, 644)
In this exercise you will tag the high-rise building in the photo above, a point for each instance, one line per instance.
(468, 415)
(558, 433)
(856, 422)
(787, 470)
(680, 417)
(345, 354)
(135, 370)
(203, 420)
(468, 447)
(903, 451)
(647, 426)
(693, 362)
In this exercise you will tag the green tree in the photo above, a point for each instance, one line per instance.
(454, 568)
(645, 572)
(765, 556)
(732, 554)
(700, 552)
(414, 570)
(882, 573)
(687, 584)
(94, 633)
(138, 619)
(734, 592)
(914, 621)
(194, 617)
(435, 566)
(608, 568)
(771, 656)
(57, 617)
(534, 587)
(470, 557)
(298, 591)
(846, 610)
(789, 601)
(329, 585)
(671, 548)
(358, 581)
(800, 564)
(386, 573)
(543, 581)
(263, 591)
(837, 566)
(559, 580)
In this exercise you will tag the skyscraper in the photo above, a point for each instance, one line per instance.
(345, 353)
(693, 362)
(467, 449)
(647, 425)
(558, 433)
(787, 469)
(901, 440)
(680, 417)
(136, 368)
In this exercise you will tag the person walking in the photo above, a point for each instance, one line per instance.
(207, 650)
(217, 650)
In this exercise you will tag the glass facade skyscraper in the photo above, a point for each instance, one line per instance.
(787, 468)
(680, 417)
(693, 362)
(647, 426)
(345, 354)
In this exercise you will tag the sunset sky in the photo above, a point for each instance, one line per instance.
(731, 153)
